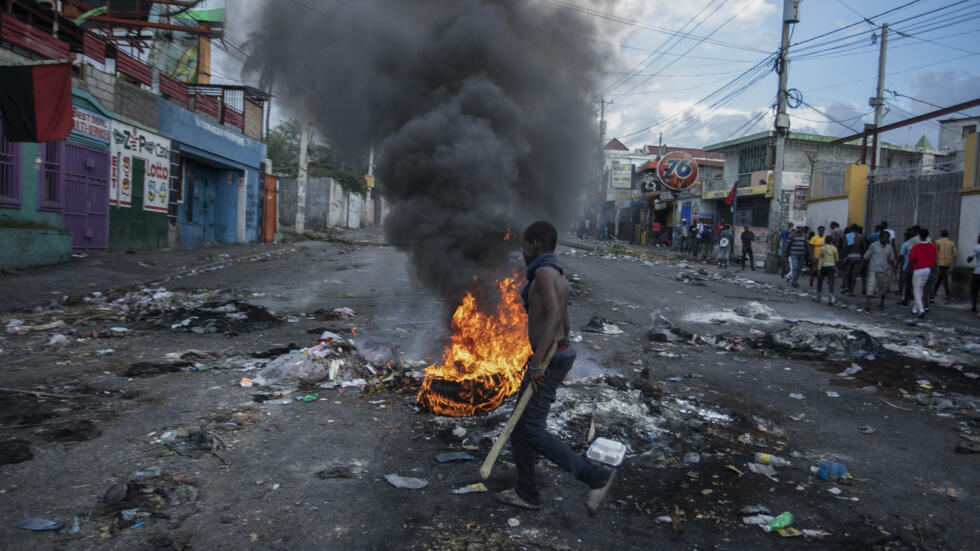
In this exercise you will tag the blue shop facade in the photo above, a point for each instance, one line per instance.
(216, 197)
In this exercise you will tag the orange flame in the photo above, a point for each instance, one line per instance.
(486, 360)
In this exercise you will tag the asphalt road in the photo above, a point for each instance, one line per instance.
(267, 483)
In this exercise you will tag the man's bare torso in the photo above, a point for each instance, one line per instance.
(537, 314)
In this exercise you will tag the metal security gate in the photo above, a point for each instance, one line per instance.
(930, 200)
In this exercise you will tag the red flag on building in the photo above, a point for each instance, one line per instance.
(36, 102)
(731, 194)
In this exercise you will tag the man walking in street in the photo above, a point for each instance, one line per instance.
(922, 261)
(747, 237)
(853, 261)
(880, 258)
(545, 297)
(815, 243)
(796, 249)
(827, 267)
(655, 229)
(946, 255)
(685, 236)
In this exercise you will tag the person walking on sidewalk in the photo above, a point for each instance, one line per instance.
(975, 281)
(827, 267)
(945, 257)
(747, 237)
(880, 260)
(545, 297)
(725, 239)
(922, 261)
(784, 267)
(796, 251)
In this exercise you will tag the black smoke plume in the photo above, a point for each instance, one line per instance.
(482, 110)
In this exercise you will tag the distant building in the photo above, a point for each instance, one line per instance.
(630, 196)
(749, 162)
(953, 133)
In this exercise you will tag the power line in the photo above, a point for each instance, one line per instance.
(653, 57)
(855, 24)
(639, 25)
(696, 44)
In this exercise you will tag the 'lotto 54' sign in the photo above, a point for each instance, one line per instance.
(677, 170)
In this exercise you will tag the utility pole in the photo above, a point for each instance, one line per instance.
(791, 15)
(601, 193)
(304, 150)
(878, 102)
(602, 119)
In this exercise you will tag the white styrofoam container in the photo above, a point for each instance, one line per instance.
(607, 451)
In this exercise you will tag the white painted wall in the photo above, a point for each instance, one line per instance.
(969, 227)
(822, 213)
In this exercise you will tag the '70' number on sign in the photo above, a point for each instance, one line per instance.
(679, 168)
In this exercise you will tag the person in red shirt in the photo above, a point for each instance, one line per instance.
(922, 262)
(656, 233)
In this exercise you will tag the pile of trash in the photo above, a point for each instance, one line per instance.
(833, 342)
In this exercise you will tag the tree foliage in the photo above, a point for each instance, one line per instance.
(324, 161)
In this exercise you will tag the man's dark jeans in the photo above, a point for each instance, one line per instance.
(531, 436)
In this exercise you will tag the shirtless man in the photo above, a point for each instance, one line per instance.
(546, 301)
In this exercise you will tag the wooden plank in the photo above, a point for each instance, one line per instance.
(498, 445)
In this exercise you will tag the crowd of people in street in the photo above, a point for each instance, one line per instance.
(914, 264)
(919, 265)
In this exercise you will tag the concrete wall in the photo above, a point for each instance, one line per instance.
(328, 205)
(24, 248)
(822, 213)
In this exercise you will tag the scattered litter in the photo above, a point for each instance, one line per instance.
(767, 459)
(819, 534)
(105, 352)
(754, 509)
(58, 340)
(784, 520)
(453, 456)
(664, 519)
(344, 312)
(758, 468)
(513, 522)
(245, 382)
(757, 520)
(75, 527)
(471, 488)
(832, 394)
(329, 336)
(602, 325)
(867, 429)
(406, 482)
(607, 451)
(835, 490)
(676, 379)
(850, 371)
(459, 432)
(797, 417)
(797, 396)
(40, 525)
(691, 458)
(829, 470)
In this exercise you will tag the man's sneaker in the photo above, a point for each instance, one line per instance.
(597, 495)
(510, 497)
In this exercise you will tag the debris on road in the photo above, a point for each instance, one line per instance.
(601, 325)
(40, 525)
(406, 482)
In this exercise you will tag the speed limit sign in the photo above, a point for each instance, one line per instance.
(677, 170)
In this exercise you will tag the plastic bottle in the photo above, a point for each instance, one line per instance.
(782, 521)
(773, 460)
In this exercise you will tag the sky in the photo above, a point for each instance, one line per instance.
(700, 72)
